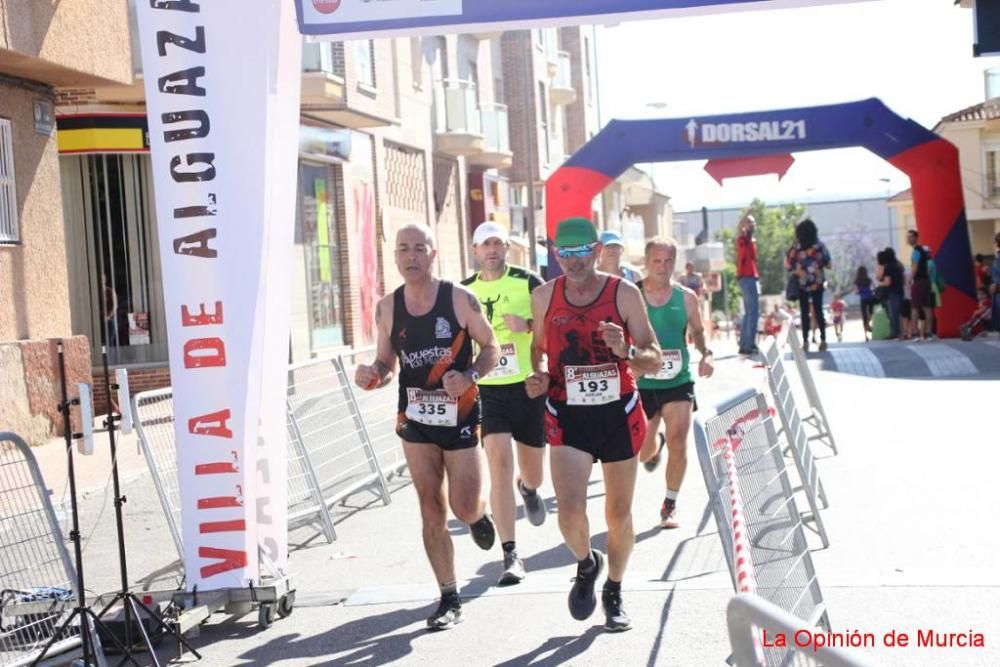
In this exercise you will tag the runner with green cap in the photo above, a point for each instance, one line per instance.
(591, 337)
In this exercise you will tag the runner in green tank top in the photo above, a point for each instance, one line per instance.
(508, 414)
(674, 311)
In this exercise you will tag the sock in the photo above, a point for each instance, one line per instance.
(672, 495)
(588, 564)
(525, 490)
(509, 547)
(613, 586)
(449, 590)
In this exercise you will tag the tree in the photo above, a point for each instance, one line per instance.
(775, 234)
(850, 247)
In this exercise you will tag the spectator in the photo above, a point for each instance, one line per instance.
(863, 286)
(889, 278)
(838, 307)
(921, 295)
(995, 285)
(748, 276)
(809, 259)
(982, 271)
(693, 280)
(980, 320)
(611, 257)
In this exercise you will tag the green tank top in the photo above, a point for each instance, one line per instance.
(670, 325)
(510, 295)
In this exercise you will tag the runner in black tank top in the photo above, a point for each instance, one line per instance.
(429, 346)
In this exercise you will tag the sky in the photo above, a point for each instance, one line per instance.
(916, 55)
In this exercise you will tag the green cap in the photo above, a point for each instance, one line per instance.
(575, 231)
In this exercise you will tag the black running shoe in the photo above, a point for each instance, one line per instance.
(447, 615)
(484, 534)
(513, 570)
(534, 506)
(616, 620)
(654, 461)
(582, 600)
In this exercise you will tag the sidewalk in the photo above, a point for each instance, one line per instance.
(911, 549)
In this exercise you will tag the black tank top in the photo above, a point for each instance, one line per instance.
(429, 346)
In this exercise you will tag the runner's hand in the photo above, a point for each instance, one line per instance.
(367, 377)
(516, 324)
(614, 337)
(536, 384)
(706, 367)
(456, 383)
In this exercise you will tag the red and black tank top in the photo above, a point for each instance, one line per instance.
(430, 345)
(576, 352)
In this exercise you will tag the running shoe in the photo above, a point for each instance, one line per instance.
(447, 615)
(668, 514)
(513, 570)
(484, 533)
(822, 346)
(582, 600)
(534, 506)
(654, 461)
(616, 620)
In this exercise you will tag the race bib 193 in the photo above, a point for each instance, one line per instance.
(592, 385)
(507, 366)
(671, 365)
(433, 408)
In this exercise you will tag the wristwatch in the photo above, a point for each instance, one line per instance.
(473, 375)
(632, 353)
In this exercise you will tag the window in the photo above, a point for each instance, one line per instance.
(993, 172)
(9, 232)
(364, 56)
(544, 129)
(320, 239)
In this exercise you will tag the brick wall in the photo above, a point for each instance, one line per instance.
(519, 95)
(139, 380)
(381, 101)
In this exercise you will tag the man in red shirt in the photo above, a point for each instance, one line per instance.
(748, 277)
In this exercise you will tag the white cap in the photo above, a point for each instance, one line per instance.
(490, 230)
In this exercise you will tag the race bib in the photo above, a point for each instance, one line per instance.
(592, 385)
(433, 408)
(671, 365)
(507, 365)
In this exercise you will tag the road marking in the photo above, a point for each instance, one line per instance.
(857, 361)
(943, 360)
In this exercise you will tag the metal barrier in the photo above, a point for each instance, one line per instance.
(37, 578)
(817, 418)
(338, 443)
(749, 616)
(754, 505)
(798, 442)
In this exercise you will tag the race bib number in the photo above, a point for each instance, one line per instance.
(507, 366)
(671, 365)
(592, 385)
(433, 408)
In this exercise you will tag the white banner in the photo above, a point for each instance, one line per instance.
(212, 74)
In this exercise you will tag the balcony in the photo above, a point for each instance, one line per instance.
(496, 138)
(561, 89)
(325, 95)
(458, 127)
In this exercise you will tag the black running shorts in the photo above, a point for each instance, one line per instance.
(611, 432)
(507, 409)
(448, 438)
(653, 400)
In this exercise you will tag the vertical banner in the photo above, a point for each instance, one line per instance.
(212, 72)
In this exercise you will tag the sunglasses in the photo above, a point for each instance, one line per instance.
(576, 251)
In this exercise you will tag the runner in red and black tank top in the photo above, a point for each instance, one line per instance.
(572, 337)
(428, 346)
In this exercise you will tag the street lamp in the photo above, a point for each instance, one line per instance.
(888, 209)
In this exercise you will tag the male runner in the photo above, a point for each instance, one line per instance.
(674, 311)
(429, 325)
(590, 332)
(508, 413)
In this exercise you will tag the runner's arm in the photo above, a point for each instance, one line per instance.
(632, 308)
(469, 311)
(697, 328)
(537, 383)
(382, 370)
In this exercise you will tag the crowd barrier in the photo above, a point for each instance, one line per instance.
(753, 502)
(749, 617)
(816, 419)
(339, 443)
(37, 578)
(792, 427)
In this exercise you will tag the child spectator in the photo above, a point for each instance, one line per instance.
(837, 307)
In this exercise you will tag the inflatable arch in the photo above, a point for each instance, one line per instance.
(929, 161)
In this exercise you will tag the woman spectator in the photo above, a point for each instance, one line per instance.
(889, 277)
(863, 286)
(808, 259)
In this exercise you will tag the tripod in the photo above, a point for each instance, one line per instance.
(92, 653)
(130, 603)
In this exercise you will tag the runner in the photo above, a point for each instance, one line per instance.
(590, 332)
(429, 325)
(668, 394)
(508, 414)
